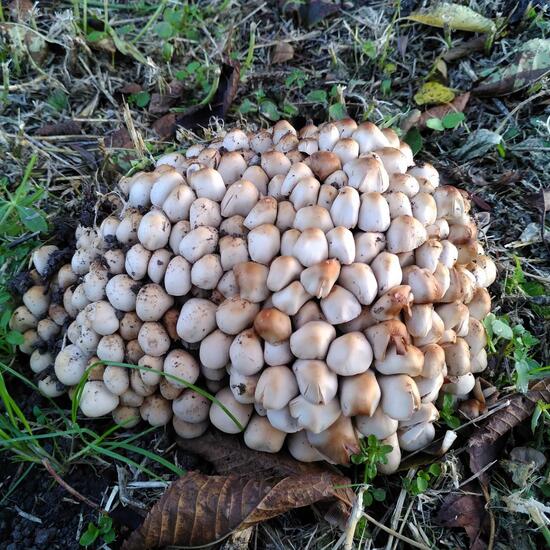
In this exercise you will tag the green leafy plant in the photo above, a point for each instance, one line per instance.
(140, 99)
(371, 453)
(447, 412)
(419, 484)
(103, 530)
(449, 122)
(515, 343)
(58, 101)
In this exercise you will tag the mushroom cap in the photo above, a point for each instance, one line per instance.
(400, 397)
(349, 354)
(260, 435)
(96, 400)
(276, 387)
(273, 325)
(312, 340)
(338, 442)
(378, 424)
(317, 383)
(359, 394)
(314, 417)
(221, 420)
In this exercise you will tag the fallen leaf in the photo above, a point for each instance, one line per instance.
(161, 103)
(466, 511)
(478, 144)
(130, 88)
(230, 455)
(282, 52)
(67, 128)
(165, 126)
(220, 103)
(454, 16)
(119, 139)
(456, 106)
(434, 92)
(198, 509)
(309, 12)
(466, 48)
(483, 446)
(532, 63)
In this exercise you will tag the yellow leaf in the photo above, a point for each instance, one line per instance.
(454, 16)
(434, 92)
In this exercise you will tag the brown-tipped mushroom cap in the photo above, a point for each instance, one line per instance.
(359, 394)
(400, 397)
(273, 325)
(338, 442)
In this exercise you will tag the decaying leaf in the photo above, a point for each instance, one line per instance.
(309, 12)
(67, 128)
(282, 52)
(433, 92)
(466, 511)
(161, 103)
(532, 63)
(454, 16)
(198, 509)
(219, 104)
(484, 444)
(456, 106)
(230, 455)
(465, 48)
(478, 143)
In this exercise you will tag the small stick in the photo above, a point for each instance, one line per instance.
(69, 489)
(395, 533)
(354, 518)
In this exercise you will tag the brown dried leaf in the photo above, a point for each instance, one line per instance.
(230, 455)
(466, 511)
(282, 52)
(465, 48)
(484, 444)
(163, 102)
(119, 139)
(131, 88)
(67, 128)
(165, 126)
(219, 105)
(199, 510)
(457, 105)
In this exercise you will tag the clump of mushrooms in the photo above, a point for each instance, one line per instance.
(319, 283)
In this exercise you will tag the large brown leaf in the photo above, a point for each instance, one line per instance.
(466, 511)
(484, 445)
(229, 455)
(198, 509)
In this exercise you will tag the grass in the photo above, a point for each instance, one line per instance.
(368, 61)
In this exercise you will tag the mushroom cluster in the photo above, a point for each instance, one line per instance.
(318, 282)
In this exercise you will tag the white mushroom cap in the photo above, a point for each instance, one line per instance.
(260, 435)
(340, 306)
(276, 387)
(400, 397)
(191, 407)
(128, 417)
(187, 430)
(291, 298)
(204, 212)
(374, 213)
(416, 437)
(315, 418)
(116, 379)
(405, 233)
(311, 247)
(387, 270)
(197, 319)
(312, 340)
(221, 420)
(214, 350)
(338, 442)
(301, 449)
(22, 319)
(41, 257)
(378, 424)
(152, 302)
(70, 364)
(359, 394)
(37, 300)
(243, 386)
(122, 292)
(264, 243)
(111, 348)
(246, 353)
(316, 382)
(368, 246)
(251, 278)
(349, 354)
(156, 364)
(153, 339)
(198, 242)
(40, 360)
(393, 458)
(235, 314)
(182, 364)
(136, 263)
(398, 361)
(178, 203)
(154, 230)
(96, 400)
(341, 245)
(49, 386)
(310, 311)
(282, 271)
(345, 208)
(319, 279)
(277, 354)
(314, 216)
(177, 279)
(208, 183)
(207, 272)
(282, 420)
(156, 410)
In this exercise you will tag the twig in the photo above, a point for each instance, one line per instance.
(68, 488)
(354, 518)
(395, 533)
(492, 525)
